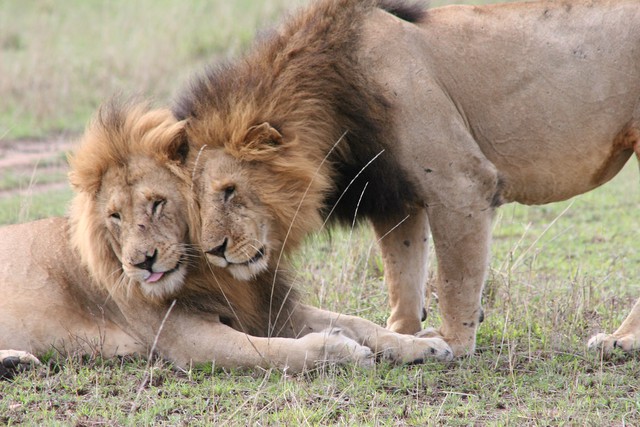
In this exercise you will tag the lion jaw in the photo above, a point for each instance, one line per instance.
(167, 285)
(235, 260)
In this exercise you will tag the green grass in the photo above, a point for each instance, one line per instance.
(60, 60)
(23, 207)
(46, 171)
(559, 273)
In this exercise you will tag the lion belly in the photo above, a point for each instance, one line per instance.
(46, 299)
(548, 94)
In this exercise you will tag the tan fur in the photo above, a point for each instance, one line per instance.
(417, 126)
(91, 283)
(231, 206)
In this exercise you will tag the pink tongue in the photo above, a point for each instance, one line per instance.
(154, 277)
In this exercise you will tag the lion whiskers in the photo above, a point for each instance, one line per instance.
(256, 249)
(187, 251)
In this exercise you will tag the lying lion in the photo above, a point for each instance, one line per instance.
(417, 121)
(120, 276)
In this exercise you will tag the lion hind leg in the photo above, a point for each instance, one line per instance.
(13, 361)
(626, 337)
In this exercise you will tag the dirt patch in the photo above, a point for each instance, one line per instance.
(33, 165)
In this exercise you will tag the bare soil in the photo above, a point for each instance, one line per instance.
(29, 160)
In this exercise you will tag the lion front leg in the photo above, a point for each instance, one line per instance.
(626, 337)
(228, 348)
(404, 246)
(392, 346)
(187, 337)
(461, 240)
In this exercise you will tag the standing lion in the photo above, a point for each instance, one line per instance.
(419, 121)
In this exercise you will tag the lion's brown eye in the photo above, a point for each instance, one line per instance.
(229, 192)
(115, 216)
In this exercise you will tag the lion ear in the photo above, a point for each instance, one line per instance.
(178, 148)
(262, 136)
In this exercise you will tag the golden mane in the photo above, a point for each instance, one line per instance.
(117, 133)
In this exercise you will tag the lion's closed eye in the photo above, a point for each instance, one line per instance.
(229, 192)
(157, 206)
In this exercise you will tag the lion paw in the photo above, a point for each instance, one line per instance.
(334, 347)
(413, 350)
(13, 361)
(460, 346)
(608, 342)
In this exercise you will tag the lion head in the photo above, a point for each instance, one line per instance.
(258, 198)
(289, 132)
(130, 214)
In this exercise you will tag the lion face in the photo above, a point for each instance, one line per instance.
(130, 218)
(235, 225)
(142, 209)
(258, 197)
(237, 231)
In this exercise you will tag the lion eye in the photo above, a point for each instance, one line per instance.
(115, 216)
(157, 205)
(229, 191)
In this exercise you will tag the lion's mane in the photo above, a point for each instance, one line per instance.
(303, 79)
(118, 132)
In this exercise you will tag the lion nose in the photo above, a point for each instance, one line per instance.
(147, 264)
(219, 250)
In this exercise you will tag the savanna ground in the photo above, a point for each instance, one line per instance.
(559, 273)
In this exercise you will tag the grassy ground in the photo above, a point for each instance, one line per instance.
(61, 59)
(559, 273)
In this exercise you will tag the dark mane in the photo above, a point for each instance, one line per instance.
(407, 11)
(271, 296)
(305, 80)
